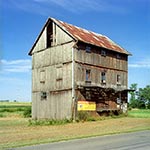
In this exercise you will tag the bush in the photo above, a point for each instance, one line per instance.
(49, 122)
(91, 119)
(27, 112)
(83, 116)
(2, 115)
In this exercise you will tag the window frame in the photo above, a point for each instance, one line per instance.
(43, 95)
(88, 49)
(88, 75)
(103, 52)
(118, 79)
(103, 77)
(42, 76)
(118, 56)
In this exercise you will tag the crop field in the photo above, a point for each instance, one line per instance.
(16, 131)
(8, 109)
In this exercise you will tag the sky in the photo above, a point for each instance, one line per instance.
(126, 22)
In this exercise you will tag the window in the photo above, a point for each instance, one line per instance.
(118, 56)
(59, 73)
(88, 74)
(42, 76)
(118, 79)
(103, 52)
(49, 35)
(103, 77)
(88, 49)
(88, 95)
(43, 95)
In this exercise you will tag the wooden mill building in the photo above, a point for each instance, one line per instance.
(74, 69)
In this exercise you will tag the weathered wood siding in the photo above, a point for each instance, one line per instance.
(57, 105)
(61, 36)
(111, 76)
(51, 74)
(56, 77)
(97, 63)
(96, 59)
(41, 43)
(51, 56)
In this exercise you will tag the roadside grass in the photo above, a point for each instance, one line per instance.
(139, 113)
(16, 131)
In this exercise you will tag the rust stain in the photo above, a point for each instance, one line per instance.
(92, 38)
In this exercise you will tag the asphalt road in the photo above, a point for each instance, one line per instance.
(127, 141)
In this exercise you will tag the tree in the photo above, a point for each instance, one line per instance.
(133, 92)
(140, 98)
(144, 95)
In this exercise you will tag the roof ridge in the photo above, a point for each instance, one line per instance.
(86, 36)
(81, 28)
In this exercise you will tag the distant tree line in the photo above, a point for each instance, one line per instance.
(8, 100)
(140, 98)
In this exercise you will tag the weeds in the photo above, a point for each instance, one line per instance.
(83, 116)
(49, 122)
(2, 115)
(139, 113)
(27, 112)
(9, 109)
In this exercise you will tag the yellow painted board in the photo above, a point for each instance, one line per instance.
(86, 106)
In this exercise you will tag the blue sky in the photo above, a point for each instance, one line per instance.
(127, 22)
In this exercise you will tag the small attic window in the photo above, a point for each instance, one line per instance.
(49, 35)
(88, 49)
(103, 52)
(118, 56)
(42, 76)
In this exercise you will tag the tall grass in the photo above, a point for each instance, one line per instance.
(49, 122)
(11, 108)
(139, 113)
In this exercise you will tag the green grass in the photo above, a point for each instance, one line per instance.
(139, 113)
(15, 130)
(8, 109)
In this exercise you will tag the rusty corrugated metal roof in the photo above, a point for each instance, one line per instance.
(85, 36)
(91, 37)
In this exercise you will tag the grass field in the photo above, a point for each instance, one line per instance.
(8, 109)
(15, 130)
(142, 113)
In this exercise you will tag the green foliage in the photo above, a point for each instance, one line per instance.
(27, 112)
(10, 108)
(139, 113)
(7, 108)
(49, 122)
(2, 115)
(144, 95)
(133, 93)
(90, 118)
(140, 98)
(83, 116)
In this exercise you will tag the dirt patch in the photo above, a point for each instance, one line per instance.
(16, 132)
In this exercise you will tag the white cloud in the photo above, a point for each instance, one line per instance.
(16, 66)
(48, 7)
(15, 77)
(77, 6)
(141, 64)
